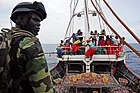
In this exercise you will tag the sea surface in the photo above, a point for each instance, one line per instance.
(132, 60)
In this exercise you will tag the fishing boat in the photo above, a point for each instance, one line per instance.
(98, 69)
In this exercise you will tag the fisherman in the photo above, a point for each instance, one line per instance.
(91, 49)
(102, 34)
(61, 43)
(102, 44)
(75, 44)
(79, 34)
(28, 66)
(108, 44)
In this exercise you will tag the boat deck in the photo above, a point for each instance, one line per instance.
(91, 82)
(99, 57)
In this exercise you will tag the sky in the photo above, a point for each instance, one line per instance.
(53, 28)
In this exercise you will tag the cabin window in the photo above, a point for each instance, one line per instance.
(75, 67)
(101, 67)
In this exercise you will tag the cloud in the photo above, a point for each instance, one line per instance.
(53, 28)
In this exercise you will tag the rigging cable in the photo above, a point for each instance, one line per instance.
(87, 18)
(103, 16)
(71, 19)
(73, 12)
(128, 29)
(70, 30)
(99, 18)
(132, 48)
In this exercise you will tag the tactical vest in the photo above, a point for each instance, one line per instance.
(28, 61)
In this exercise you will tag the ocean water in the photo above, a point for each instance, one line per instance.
(132, 60)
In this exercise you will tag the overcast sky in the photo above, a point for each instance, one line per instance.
(53, 28)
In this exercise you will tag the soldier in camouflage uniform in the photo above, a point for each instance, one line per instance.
(28, 66)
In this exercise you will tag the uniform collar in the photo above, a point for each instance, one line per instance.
(19, 32)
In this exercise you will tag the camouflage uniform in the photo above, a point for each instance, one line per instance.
(29, 69)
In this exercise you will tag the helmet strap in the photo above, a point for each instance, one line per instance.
(27, 25)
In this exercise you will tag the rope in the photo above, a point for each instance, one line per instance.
(128, 29)
(132, 48)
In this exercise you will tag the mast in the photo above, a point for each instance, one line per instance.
(87, 30)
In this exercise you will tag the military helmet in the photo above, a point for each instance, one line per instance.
(25, 7)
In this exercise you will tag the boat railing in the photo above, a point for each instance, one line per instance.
(100, 50)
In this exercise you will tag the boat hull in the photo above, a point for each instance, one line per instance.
(124, 73)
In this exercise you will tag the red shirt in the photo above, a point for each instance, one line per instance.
(102, 42)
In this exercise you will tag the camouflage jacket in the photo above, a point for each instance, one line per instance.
(30, 62)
